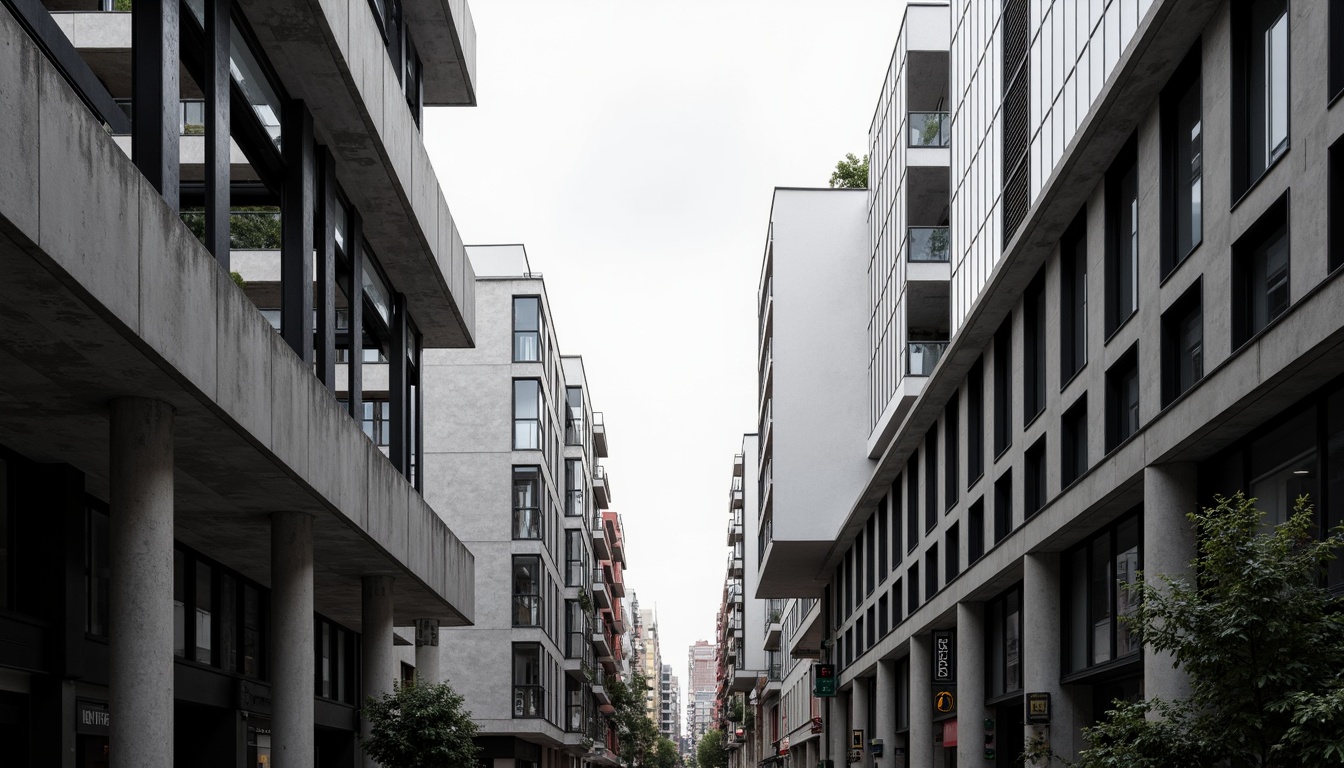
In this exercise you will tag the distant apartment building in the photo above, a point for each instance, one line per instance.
(1068, 342)
(223, 265)
(669, 705)
(701, 669)
(512, 448)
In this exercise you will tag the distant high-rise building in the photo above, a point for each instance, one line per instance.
(700, 690)
(669, 705)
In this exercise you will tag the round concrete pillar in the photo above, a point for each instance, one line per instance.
(1041, 651)
(1170, 492)
(920, 750)
(885, 716)
(379, 662)
(970, 683)
(140, 588)
(427, 651)
(292, 641)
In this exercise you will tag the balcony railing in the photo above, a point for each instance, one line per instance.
(928, 244)
(930, 129)
(923, 356)
(773, 673)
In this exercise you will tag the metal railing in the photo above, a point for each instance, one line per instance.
(928, 244)
(922, 356)
(930, 129)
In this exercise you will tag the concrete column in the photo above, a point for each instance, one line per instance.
(886, 712)
(292, 642)
(379, 663)
(970, 684)
(837, 729)
(858, 713)
(140, 589)
(1170, 492)
(919, 753)
(1041, 651)
(427, 651)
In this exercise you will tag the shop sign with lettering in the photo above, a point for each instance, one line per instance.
(92, 718)
(944, 656)
(1038, 708)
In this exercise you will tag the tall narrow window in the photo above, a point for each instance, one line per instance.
(1003, 643)
(881, 540)
(931, 571)
(527, 503)
(573, 488)
(526, 591)
(1003, 386)
(574, 426)
(527, 329)
(1073, 439)
(931, 478)
(1122, 247)
(975, 530)
(1260, 264)
(576, 558)
(529, 697)
(1183, 162)
(912, 587)
(528, 425)
(951, 452)
(1336, 80)
(1259, 89)
(1003, 507)
(975, 423)
(897, 551)
(869, 560)
(1122, 399)
(1335, 191)
(1033, 481)
(1073, 298)
(1182, 344)
(912, 502)
(952, 553)
(5, 601)
(1033, 349)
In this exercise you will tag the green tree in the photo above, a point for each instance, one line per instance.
(637, 734)
(665, 754)
(850, 173)
(420, 726)
(711, 751)
(1262, 642)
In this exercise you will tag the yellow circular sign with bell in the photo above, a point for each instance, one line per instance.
(944, 702)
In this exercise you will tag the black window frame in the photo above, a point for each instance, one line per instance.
(1123, 254)
(1000, 682)
(975, 423)
(532, 704)
(897, 538)
(1073, 299)
(1335, 184)
(1035, 492)
(1335, 79)
(1003, 507)
(1182, 160)
(931, 479)
(912, 502)
(538, 333)
(882, 541)
(952, 553)
(540, 419)
(1116, 601)
(1121, 378)
(1033, 349)
(975, 530)
(1251, 20)
(1186, 311)
(1073, 436)
(1003, 387)
(1270, 229)
(527, 604)
(931, 574)
(520, 474)
(951, 451)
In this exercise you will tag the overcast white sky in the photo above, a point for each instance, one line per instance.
(633, 147)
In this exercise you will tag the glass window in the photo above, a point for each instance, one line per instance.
(1073, 299)
(912, 502)
(952, 553)
(377, 421)
(1276, 88)
(951, 451)
(529, 699)
(526, 591)
(1033, 343)
(254, 635)
(1095, 573)
(931, 479)
(1335, 191)
(1122, 223)
(882, 540)
(1003, 386)
(1283, 467)
(248, 75)
(1260, 80)
(1260, 267)
(1334, 513)
(975, 530)
(1003, 629)
(574, 426)
(1182, 345)
(528, 430)
(1073, 438)
(527, 517)
(179, 604)
(98, 573)
(576, 558)
(204, 610)
(975, 423)
(228, 622)
(1003, 507)
(1122, 399)
(573, 488)
(527, 329)
(1183, 152)
(1034, 481)
(4, 534)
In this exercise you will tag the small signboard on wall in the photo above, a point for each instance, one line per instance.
(944, 657)
(1038, 709)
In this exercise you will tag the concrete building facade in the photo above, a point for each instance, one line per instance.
(511, 455)
(1125, 342)
(202, 553)
(701, 670)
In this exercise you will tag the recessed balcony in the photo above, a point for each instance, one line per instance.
(599, 436)
(921, 357)
(601, 488)
(930, 129)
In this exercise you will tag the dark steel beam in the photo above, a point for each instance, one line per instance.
(326, 270)
(398, 390)
(354, 294)
(155, 95)
(217, 131)
(296, 225)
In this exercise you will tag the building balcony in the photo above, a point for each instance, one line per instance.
(743, 680)
(735, 528)
(617, 540)
(599, 436)
(922, 357)
(615, 580)
(735, 566)
(601, 547)
(601, 597)
(603, 645)
(928, 245)
(774, 623)
(739, 464)
(930, 129)
(601, 488)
